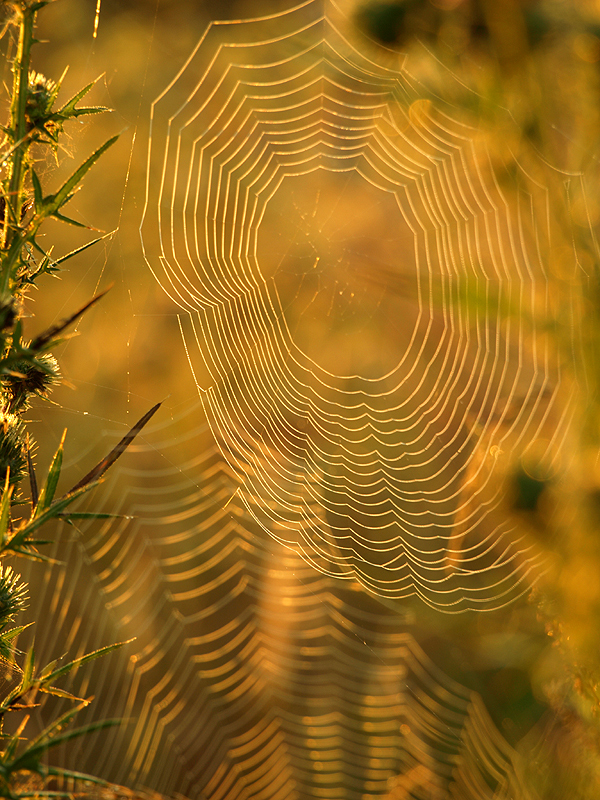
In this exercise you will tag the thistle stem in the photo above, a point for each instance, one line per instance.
(18, 166)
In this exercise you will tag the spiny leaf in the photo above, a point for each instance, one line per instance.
(5, 508)
(33, 555)
(14, 742)
(49, 488)
(16, 337)
(8, 636)
(98, 471)
(7, 650)
(70, 221)
(87, 110)
(44, 338)
(57, 87)
(56, 692)
(47, 669)
(69, 106)
(28, 668)
(84, 730)
(19, 540)
(82, 660)
(57, 772)
(54, 202)
(33, 487)
(57, 261)
(56, 726)
(37, 191)
(29, 758)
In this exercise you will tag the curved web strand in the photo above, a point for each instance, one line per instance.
(322, 226)
(251, 674)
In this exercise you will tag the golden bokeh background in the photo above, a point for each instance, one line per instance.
(253, 674)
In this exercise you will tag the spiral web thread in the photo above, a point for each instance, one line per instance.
(321, 225)
(343, 257)
(252, 674)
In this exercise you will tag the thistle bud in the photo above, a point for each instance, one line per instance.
(40, 98)
(30, 380)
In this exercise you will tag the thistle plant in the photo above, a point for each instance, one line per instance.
(28, 370)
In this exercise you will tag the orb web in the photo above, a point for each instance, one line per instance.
(322, 224)
(251, 674)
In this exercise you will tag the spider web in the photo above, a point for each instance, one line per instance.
(252, 674)
(321, 225)
(358, 298)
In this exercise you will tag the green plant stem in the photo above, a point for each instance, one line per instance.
(14, 198)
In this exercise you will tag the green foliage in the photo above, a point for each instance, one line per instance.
(28, 370)
(22, 755)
